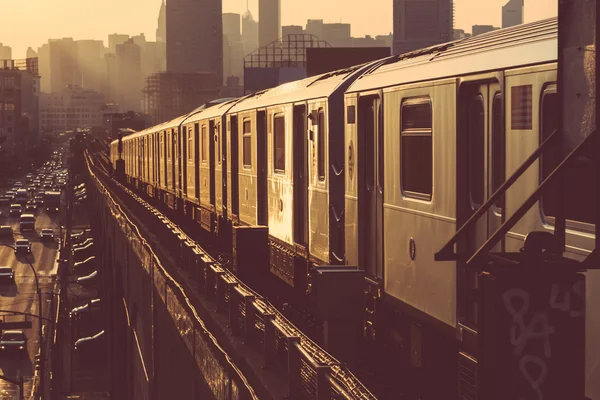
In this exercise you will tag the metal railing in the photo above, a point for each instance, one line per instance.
(311, 371)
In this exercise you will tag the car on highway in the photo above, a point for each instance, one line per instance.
(6, 231)
(7, 274)
(22, 246)
(91, 307)
(18, 184)
(85, 242)
(5, 199)
(31, 206)
(13, 341)
(15, 209)
(27, 222)
(29, 177)
(39, 200)
(90, 343)
(47, 234)
(10, 194)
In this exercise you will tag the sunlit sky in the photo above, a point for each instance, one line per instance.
(25, 23)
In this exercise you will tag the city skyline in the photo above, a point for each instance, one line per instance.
(82, 21)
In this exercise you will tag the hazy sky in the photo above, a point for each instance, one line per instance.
(25, 23)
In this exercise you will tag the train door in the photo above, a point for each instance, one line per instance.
(300, 176)
(261, 167)
(174, 159)
(370, 188)
(212, 135)
(197, 160)
(223, 161)
(183, 182)
(235, 183)
(481, 169)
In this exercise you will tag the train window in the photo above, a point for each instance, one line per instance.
(190, 147)
(498, 147)
(579, 200)
(279, 144)
(218, 140)
(416, 148)
(321, 147)
(204, 149)
(476, 152)
(247, 152)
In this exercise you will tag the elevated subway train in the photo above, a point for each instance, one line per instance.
(377, 166)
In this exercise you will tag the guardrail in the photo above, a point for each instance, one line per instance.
(222, 376)
(312, 372)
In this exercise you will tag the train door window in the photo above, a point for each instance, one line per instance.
(247, 139)
(169, 145)
(416, 147)
(476, 152)
(160, 149)
(580, 200)
(279, 144)
(190, 148)
(321, 145)
(498, 148)
(204, 149)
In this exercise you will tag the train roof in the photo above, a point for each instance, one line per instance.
(521, 45)
(313, 87)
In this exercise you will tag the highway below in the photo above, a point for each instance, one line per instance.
(21, 296)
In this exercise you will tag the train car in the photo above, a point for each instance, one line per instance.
(288, 171)
(430, 136)
(203, 148)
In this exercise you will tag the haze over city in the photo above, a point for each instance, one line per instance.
(32, 22)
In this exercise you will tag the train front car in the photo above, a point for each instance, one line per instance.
(430, 136)
(290, 172)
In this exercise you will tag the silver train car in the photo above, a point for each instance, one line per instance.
(378, 166)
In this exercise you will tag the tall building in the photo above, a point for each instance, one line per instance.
(269, 21)
(90, 57)
(114, 40)
(64, 65)
(5, 52)
(44, 67)
(130, 81)
(233, 48)
(195, 36)
(249, 32)
(161, 31)
(19, 95)
(512, 13)
(421, 23)
(232, 27)
(112, 86)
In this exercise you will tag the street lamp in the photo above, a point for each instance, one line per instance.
(39, 293)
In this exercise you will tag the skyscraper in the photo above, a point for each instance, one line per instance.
(195, 36)
(269, 21)
(161, 31)
(512, 13)
(129, 76)
(249, 32)
(231, 26)
(421, 23)
(90, 57)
